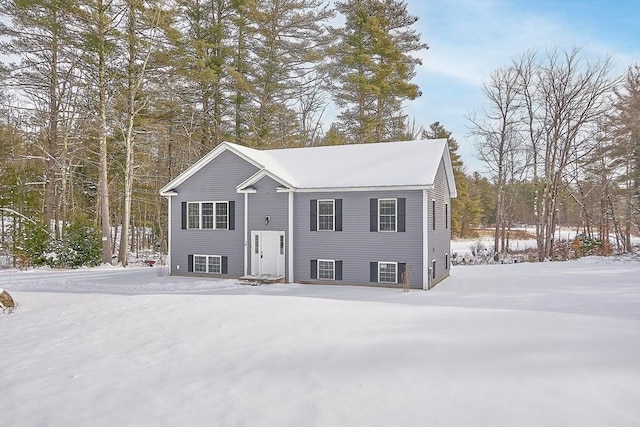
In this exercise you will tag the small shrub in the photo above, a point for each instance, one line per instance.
(81, 246)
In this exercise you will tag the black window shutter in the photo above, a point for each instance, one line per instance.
(402, 267)
(232, 215)
(190, 263)
(373, 272)
(314, 269)
(184, 215)
(433, 214)
(446, 215)
(313, 216)
(225, 265)
(373, 215)
(402, 209)
(338, 207)
(338, 270)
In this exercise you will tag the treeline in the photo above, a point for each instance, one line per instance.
(104, 101)
(560, 136)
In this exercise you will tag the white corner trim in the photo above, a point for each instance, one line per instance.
(169, 233)
(425, 241)
(290, 244)
(246, 232)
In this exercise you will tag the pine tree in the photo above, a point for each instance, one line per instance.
(465, 209)
(623, 148)
(372, 66)
(287, 46)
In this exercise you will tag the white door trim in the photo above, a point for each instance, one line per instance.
(268, 252)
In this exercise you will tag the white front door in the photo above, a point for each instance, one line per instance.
(267, 253)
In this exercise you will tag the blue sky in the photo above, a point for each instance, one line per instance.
(470, 39)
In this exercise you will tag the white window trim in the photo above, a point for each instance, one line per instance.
(388, 262)
(215, 203)
(395, 226)
(333, 213)
(207, 257)
(333, 269)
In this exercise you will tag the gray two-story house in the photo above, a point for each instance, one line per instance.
(374, 214)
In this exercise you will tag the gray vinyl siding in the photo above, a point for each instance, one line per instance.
(268, 202)
(356, 246)
(440, 238)
(217, 181)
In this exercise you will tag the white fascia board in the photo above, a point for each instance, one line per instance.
(285, 190)
(257, 177)
(448, 168)
(168, 194)
(373, 188)
(191, 170)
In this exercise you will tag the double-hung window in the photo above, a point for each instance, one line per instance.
(207, 264)
(326, 269)
(326, 215)
(388, 272)
(387, 214)
(222, 215)
(208, 215)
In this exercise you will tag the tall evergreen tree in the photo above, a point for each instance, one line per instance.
(372, 66)
(286, 47)
(623, 126)
(465, 209)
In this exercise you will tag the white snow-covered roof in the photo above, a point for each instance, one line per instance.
(409, 164)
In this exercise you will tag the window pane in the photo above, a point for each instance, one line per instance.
(387, 215)
(207, 215)
(200, 264)
(215, 264)
(325, 207)
(325, 270)
(325, 215)
(193, 215)
(325, 223)
(222, 218)
(387, 272)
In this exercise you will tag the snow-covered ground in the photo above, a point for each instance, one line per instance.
(543, 344)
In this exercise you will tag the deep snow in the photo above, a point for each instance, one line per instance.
(545, 344)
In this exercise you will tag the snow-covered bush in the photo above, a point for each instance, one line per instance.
(81, 246)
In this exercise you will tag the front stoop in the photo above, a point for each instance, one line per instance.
(261, 279)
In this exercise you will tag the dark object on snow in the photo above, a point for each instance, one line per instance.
(5, 300)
